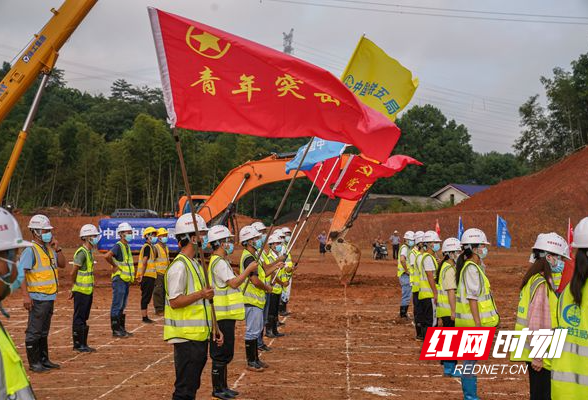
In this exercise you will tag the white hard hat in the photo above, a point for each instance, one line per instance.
(185, 224)
(39, 222)
(123, 227)
(552, 243)
(418, 237)
(286, 230)
(474, 236)
(581, 234)
(279, 232)
(259, 226)
(451, 244)
(10, 235)
(248, 232)
(409, 235)
(218, 232)
(88, 230)
(274, 238)
(431, 237)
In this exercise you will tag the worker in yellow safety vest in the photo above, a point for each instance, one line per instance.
(161, 264)
(427, 287)
(286, 233)
(475, 305)
(14, 383)
(188, 315)
(404, 270)
(82, 276)
(414, 259)
(538, 307)
(228, 304)
(40, 263)
(147, 271)
(278, 281)
(120, 258)
(569, 376)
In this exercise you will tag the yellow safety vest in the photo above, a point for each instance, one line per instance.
(486, 308)
(569, 374)
(526, 296)
(42, 278)
(414, 270)
(401, 269)
(85, 277)
(252, 295)
(191, 322)
(162, 260)
(425, 290)
(443, 306)
(149, 270)
(125, 268)
(14, 383)
(556, 276)
(228, 302)
(289, 264)
(276, 287)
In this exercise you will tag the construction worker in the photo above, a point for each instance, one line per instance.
(403, 273)
(254, 291)
(538, 306)
(289, 271)
(228, 304)
(475, 306)
(427, 287)
(146, 270)
(123, 275)
(569, 379)
(278, 281)
(446, 281)
(82, 290)
(161, 264)
(414, 261)
(40, 263)
(188, 315)
(14, 383)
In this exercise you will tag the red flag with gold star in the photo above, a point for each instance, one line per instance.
(216, 81)
(360, 174)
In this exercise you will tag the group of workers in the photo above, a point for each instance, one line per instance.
(448, 282)
(200, 303)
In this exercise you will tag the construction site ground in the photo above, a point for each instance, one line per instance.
(339, 344)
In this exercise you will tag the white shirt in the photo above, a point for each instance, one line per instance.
(429, 264)
(473, 282)
(411, 259)
(404, 251)
(222, 273)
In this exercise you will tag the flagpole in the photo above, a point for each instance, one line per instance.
(307, 198)
(497, 238)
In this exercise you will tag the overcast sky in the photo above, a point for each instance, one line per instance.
(476, 70)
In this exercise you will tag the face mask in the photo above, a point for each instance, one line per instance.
(164, 240)
(411, 243)
(263, 237)
(153, 240)
(94, 241)
(484, 253)
(9, 260)
(559, 267)
(229, 248)
(279, 248)
(205, 242)
(436, 247)
(258, 243)
(287, 239)
(128, 237)
(46, 237)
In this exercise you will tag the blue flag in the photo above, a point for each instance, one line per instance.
(320, 150)
(460, 228)
(502, 234)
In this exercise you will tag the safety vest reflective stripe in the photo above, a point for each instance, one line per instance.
(252, 295)
(190, 322)
(401, 269)
(486, 308)
(576, 348)
(443, 306)
(228, 302)
(149, 270)
(414, 270)
(556, 276)
(125, 268)
(85, 279)
(42, 277)
(425, 290)
(14, 383)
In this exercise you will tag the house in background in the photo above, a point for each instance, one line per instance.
(455, 193)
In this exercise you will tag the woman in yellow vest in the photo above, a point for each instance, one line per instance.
(569, 373)
(414, 259)
(161, 264)
(147, 271)
(427, 286)
(14, 383)
(40, 263)
(82, 276)
(475, 306)
(228, 304)
(403, 273)
(278, 281)
(446, 285)
(538, 305)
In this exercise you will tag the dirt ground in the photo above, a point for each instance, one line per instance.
(340, 344)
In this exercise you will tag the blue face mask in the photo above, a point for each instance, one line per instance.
(436, 247)
(411, 243)
(263, 237)
(279, 248)
(558, 267)
(94, 241)
(164, 240)
(46, 237)
(205, 242)
(230, 248)
(153, 240)
(258, 243)
(287, 239)
(128, 237)
(484, 253)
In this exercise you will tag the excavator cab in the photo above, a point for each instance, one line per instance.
(183, 207)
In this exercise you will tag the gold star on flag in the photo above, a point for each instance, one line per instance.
(207, 41)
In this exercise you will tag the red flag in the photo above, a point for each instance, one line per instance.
(329, 173)
(215, 81)
(568, 271)
(437, 227)
(360, 174)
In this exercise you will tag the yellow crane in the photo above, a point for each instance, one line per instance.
(38, 58)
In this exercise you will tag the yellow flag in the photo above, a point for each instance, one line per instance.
(378, 80)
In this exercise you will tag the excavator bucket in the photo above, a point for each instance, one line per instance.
(347, 255)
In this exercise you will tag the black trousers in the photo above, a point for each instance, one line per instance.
(539, 383)
(82, 307)
(448, 322)
(39, 320)
(147, 285)
(425, 313)
(395, 248)
(416, 307)
(274, 304)
(224, 354)
(189, 360)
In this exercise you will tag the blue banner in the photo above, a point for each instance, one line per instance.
(108, 238)
(320, 150)
(502, 234)
(460, 228)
